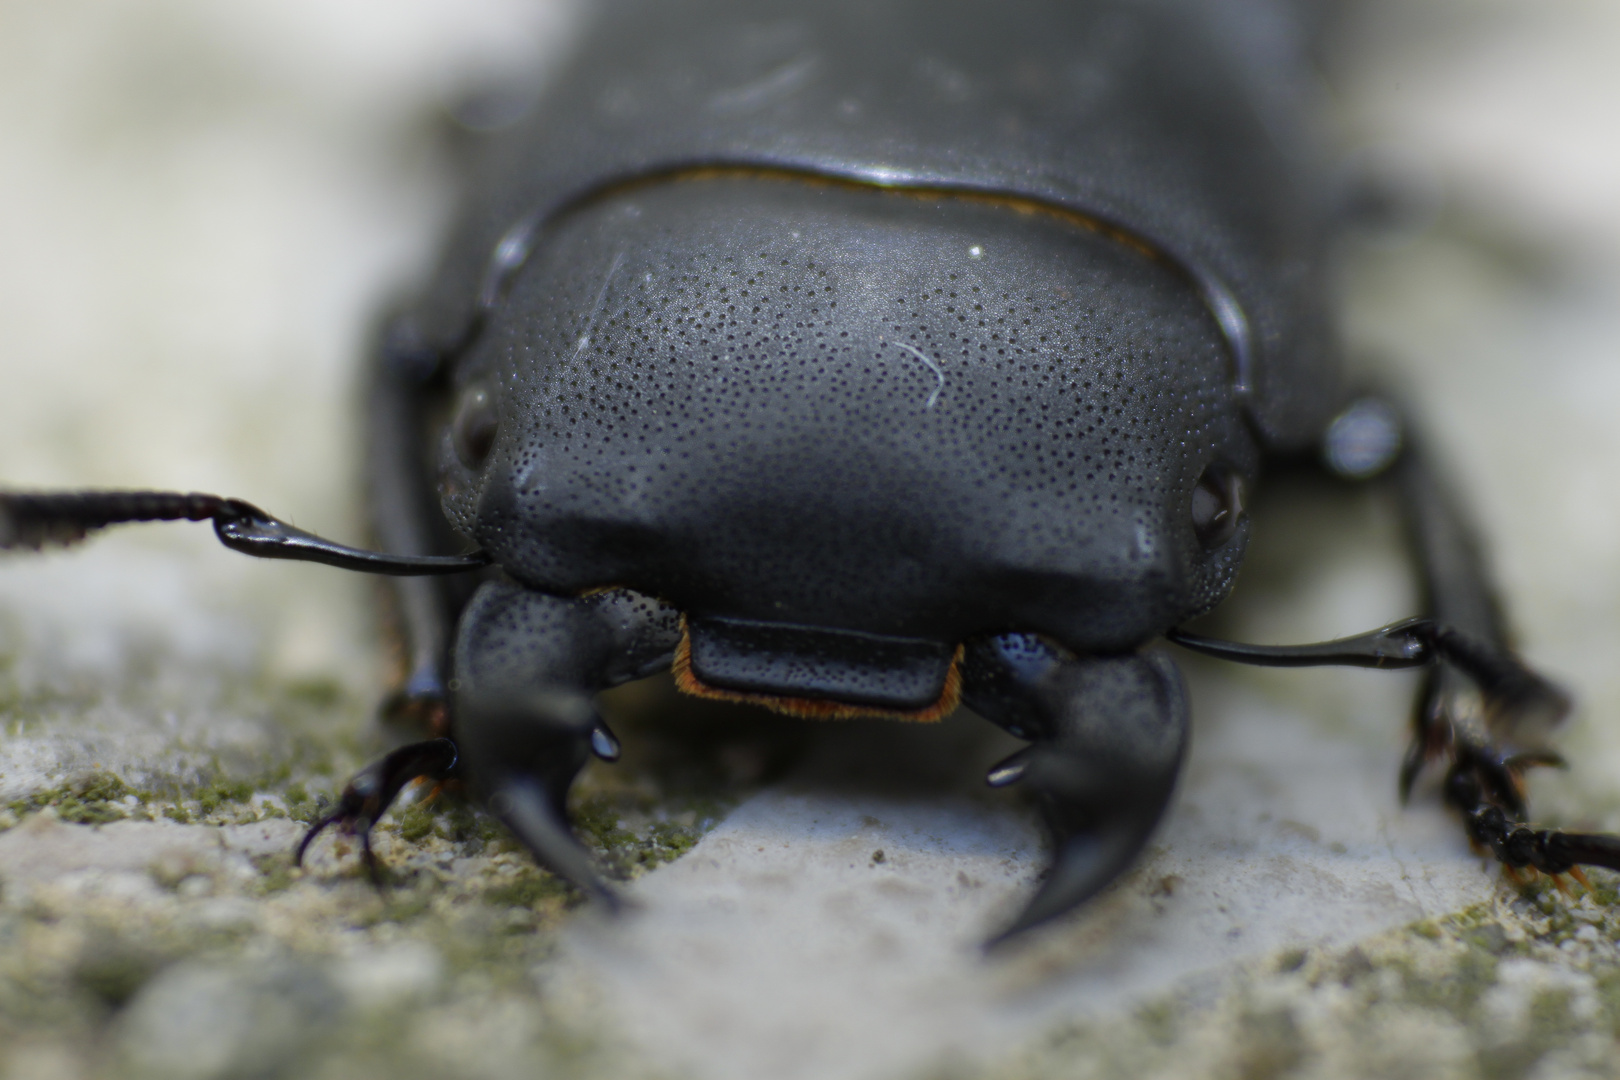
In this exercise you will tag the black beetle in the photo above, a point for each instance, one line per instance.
(865, 358)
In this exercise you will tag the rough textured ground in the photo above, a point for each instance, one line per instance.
(200, 205)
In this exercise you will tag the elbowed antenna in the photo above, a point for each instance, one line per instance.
(34, 519)
(1408, 643)
(1506, 682)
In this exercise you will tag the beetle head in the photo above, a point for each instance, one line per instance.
(894, 412)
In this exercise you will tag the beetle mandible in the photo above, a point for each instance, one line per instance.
(866, 358)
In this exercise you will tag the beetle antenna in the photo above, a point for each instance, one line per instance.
(1511, 689)
(1408, 643)
(35, 519)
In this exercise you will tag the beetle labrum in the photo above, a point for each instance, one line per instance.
(869, 358)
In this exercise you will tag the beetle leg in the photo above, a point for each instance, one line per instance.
(1479, 696)
(1107, 738)
(527, 666)
(405, 517)
(1485, 778)
(1518, 845)
(1498, 684)
(371, 791)
(1480, 708)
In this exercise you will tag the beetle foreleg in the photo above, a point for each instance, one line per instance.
(405, 385)
(1480, 708)
(1473, 688)
(1473, 787)
(1479, 695)
(527, 666)
(372, 790)
(1507, 691)
(1107, 738)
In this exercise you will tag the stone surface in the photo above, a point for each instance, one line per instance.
(201, 204)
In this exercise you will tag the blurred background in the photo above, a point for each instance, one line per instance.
(202, 208)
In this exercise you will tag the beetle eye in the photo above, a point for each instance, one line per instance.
(476, 423)
(1217, 505)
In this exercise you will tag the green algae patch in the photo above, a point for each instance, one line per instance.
(531, 888)
(1524, 984)
(416, 823)
(1454, 990)
(1292, 959)
(96, 799)
(102, 981)
(596, 820)
(222, 792)
(629, 840)
(1605, 890)
(276, 872)
(399, 907)
(669, 840)
(76, 965)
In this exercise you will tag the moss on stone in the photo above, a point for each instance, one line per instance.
(95, 799)
(1420, 1000)
(84, 812)
(73, 962)
(416, 823)
(669, 841)
(459, 823)
(217, 794)
(530, 888)
(399, 906)
(276, 871)
(1452, 990)
(1292, 959)
(596, 820)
